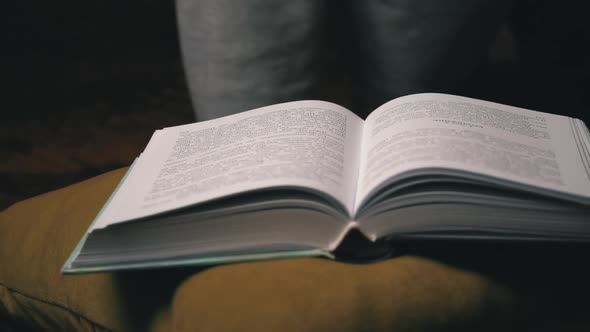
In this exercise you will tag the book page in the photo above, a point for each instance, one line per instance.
(445, 131)
(306, 144)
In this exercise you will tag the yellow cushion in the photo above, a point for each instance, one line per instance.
(404, 293)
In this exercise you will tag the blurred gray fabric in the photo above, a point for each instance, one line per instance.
(412, 46)
(240, 55)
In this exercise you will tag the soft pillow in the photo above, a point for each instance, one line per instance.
(405, 293)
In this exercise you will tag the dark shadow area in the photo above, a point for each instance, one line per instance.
(550, 278)
(8, 325)
(88, 85)
(143, 293)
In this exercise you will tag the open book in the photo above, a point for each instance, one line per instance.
(295, 179)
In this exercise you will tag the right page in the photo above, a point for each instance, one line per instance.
(443, 131)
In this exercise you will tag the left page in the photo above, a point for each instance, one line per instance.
(312, 145)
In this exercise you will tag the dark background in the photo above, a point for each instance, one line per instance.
(86, 83)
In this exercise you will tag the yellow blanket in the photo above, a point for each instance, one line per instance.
(407, 293)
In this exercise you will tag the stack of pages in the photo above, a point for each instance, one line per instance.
(294, 179)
